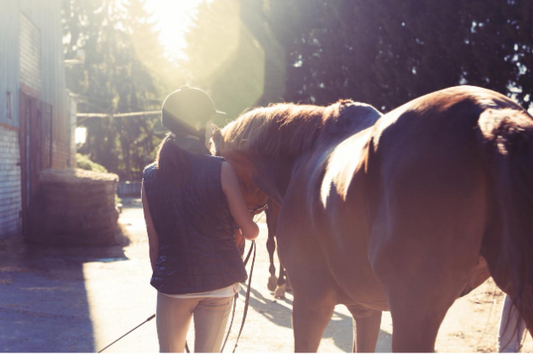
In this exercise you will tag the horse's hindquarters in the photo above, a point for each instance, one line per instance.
(427, 206)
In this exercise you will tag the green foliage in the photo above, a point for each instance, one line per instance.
(83, 162)
(254, 52)
(387, 52)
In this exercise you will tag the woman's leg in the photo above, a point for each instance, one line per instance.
(512, 328)
(173, 317)
(210, 319)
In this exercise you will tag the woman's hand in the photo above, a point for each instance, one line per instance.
(237, 206)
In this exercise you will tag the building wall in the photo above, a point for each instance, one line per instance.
(9, 62)
(10, 191)
(46, 15)
(30, 56)
(31, 59)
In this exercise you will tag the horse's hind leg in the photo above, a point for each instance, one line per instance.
(425, 245)
(366, 327)
(271, 247)
(416, 316)
(423, 272)
(282, 283)
(310, 317)
(422, 277)
(272, 215)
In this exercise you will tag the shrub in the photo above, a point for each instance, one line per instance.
(83, 162)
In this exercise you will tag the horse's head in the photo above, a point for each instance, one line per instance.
(255, 199)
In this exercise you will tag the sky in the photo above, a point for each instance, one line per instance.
(174, 17)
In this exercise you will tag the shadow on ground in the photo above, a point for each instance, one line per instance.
(43, 299)
(339, 329)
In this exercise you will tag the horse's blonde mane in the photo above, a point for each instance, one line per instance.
(288, 130)
(279, 129)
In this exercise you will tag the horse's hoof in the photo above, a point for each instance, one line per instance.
(288, 287)
(272, 283)
(280, 292)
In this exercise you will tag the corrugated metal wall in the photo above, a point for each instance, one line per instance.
(9, 60)
(46, 15)
(30, 55)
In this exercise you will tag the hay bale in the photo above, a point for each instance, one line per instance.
(74, 207)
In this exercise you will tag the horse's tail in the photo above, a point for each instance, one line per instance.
(507, 139)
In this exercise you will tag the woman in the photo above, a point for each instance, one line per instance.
(193, 209)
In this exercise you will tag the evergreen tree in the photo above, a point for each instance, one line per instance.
(387, 52)
(124, 71)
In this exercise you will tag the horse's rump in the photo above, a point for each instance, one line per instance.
(449, 176)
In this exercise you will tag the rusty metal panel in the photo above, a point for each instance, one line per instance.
(36, 161)
(24, 109)
(46, 136)
(34, 145)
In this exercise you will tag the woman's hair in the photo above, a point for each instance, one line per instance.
(173, 162)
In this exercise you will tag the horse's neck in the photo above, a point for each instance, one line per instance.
(274, 175)
(275, 171)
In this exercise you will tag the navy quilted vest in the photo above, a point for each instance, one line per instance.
(197, 250)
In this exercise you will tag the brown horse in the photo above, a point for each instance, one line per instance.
(394, 212)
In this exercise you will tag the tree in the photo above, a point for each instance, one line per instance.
(387, 52)
(117, 76)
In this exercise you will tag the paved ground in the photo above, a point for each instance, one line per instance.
(81, 299)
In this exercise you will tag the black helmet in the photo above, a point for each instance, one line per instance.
(187, 105)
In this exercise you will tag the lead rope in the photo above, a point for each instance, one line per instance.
(231, 322)
(247, 300)
(146, 321)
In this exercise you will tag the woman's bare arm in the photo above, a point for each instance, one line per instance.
(236, 203)
(153, 238)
